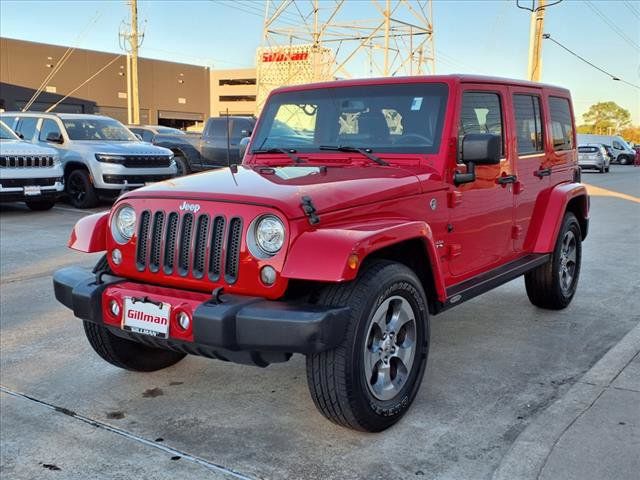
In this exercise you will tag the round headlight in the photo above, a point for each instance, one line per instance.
(124, 224)
(269, 234)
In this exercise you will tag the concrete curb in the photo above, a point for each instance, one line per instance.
(528, 455)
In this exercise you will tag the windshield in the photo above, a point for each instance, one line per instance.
(396, 118)
(6, 133)
(97, 129)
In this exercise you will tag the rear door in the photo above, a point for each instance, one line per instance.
(530, 157)
(481, 225)
(561, 139)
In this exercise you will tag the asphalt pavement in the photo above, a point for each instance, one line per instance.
(497, 368)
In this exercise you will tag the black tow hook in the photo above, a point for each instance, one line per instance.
(215, 296)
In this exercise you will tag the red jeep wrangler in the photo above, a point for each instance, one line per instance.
(361, 209)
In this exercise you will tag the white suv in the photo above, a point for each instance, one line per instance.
(28, 173)
(99, 155)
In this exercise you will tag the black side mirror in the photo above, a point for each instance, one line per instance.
(21, 136)
(245, 133)
(54, 137)
(242, 147)
(478, 149)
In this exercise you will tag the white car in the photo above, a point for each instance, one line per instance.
(593, 156)
(28, 172)
(99, 155)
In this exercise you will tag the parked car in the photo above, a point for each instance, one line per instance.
(28, 173)
(392, 200)
(593, 156)
(100, 157)
(622, 153)
(147, 133)
(195, 153)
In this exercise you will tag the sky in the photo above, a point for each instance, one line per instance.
(488, 37)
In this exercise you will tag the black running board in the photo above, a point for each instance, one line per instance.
(461, 292)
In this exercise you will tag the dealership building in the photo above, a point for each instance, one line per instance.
(172, 94)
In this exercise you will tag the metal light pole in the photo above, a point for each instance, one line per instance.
(135, 44)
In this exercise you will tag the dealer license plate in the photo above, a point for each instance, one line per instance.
(146, 317)
(32, 190)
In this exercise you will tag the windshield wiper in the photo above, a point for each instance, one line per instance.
(289, 152)
(347, 148)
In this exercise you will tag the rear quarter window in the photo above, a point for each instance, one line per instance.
(587, 149)
(561, 123)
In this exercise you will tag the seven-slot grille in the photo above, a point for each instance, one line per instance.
(25, 161)
(187, 243)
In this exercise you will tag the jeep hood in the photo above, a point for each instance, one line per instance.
(20, 147)
(330, 188)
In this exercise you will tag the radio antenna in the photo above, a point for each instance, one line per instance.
(228, 144)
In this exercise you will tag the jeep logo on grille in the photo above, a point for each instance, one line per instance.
(190, 207)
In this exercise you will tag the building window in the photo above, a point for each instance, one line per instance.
(237, 98)
(237, 81)
(528, 124)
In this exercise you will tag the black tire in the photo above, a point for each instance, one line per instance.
(624, 160)
(128, 354)
(40, 205)
(80, 190)
(606, 170)
(182, 166)
(336, 378)
(602, 169)
(547, 286)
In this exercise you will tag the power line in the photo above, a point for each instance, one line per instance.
(612, 25)
(547, 36)
(633, 9)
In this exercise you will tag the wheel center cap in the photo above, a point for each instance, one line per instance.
(386, 344)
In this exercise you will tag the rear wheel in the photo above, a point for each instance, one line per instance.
(40, 204)
(607, 169)
(554, 284)
(369, 381)
(128, 354)
(81, 192)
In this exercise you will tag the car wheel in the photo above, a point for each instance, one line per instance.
(40, 205)
(554, 284)
(607, 169)
(370, 379)
(182, 166)
(127, 354)
(601, 169)
(80, 190)
(624, 160)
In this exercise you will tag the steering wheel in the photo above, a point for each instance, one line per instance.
(412, 139)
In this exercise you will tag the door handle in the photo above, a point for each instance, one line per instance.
(507, 179)
(542, 172)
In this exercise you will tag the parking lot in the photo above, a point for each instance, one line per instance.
(495, 363)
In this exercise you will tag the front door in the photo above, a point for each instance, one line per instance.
(481, 224)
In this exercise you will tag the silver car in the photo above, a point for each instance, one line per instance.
(593, 156)
(100, 156)
(28, 173)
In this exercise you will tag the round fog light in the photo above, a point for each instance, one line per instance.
(268, 275)
(183, 320)
(116, 256)
(115, 308)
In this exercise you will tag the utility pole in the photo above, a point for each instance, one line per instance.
(535, 42)
(130, 41)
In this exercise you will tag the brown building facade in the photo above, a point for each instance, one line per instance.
(172, 94)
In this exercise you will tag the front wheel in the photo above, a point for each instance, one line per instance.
(553, 284)
(128, 354)
(182, 166)
(370, 379)
(40, 204)
(81, 192)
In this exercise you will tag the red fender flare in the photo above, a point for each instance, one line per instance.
(330, 249)
(90, 233)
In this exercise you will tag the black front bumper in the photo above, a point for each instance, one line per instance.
(239, 328)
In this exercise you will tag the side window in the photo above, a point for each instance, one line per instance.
(617, 145)
(237, 127)
(561, 124)
(481, 113)
(48, 126)
(27, 127)
(147, 135)
(528, 124)
(216, 128)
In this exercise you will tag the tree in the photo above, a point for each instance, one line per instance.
(631, 134)
(607, 118)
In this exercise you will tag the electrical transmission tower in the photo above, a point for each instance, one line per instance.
(319, 41)
(130, 41)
